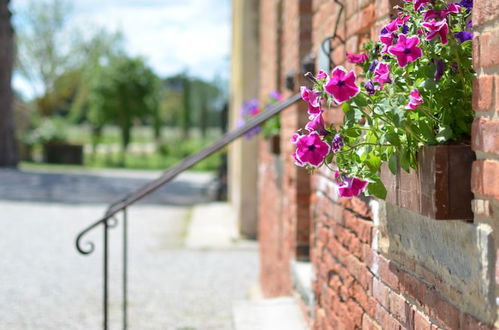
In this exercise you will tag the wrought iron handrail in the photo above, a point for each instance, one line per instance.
(109, 219)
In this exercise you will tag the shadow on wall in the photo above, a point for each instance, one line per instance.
(187, 189)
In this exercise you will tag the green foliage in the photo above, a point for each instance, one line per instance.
(121, 92)
(50, 130)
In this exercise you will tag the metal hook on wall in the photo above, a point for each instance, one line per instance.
(334, 36)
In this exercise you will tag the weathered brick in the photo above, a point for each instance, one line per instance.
(485, 135)
(489, 43)
(483, 93)
(381, 292)
(401, 310)
(388, 272)
(468, 322)
(369, 324)
(484, 11)
(421, 322)
(485, 178)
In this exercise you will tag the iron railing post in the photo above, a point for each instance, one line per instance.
(125, 268)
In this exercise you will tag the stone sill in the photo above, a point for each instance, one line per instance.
(441, 187)
(302, 276)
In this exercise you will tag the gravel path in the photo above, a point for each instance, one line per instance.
(46, 284)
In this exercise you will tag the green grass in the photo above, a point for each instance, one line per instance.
(142, 153)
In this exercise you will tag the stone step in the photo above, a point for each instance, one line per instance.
(268, 314)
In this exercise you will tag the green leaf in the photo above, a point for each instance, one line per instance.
(393, 138)
(405, 161)
(392, 163)
(377, 189)
(445, 133)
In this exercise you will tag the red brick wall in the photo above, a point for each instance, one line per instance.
(284, 218)
(355, 285)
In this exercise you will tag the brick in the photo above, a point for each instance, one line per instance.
(412, 287)
(388, 272)
(362, 228)
(485, 135)
(485, 11)
(367, 302)
(386, 321)
(355, 313)
(483, 93)
(401, 309)
(421, 322)
(441, 310)
(468, 322)
(381, 292)
(489, 43)
(369, 324)
(485, 178)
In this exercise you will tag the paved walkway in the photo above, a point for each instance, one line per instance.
(46, 284)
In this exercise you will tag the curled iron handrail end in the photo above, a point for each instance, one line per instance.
(87, 247)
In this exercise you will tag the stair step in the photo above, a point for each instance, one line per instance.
(268, 314)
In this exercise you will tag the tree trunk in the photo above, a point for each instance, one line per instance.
(8, 150)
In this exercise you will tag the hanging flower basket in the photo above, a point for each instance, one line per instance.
(440, 188)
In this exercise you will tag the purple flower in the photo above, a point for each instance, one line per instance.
(382, 74)
(464, 36)
(437, 28)
(373, 66)
(369, 86)
(337, 143)
(250, 108)
(439, 71)
(311, 150)
(275, 95)
(316, 124)
(470, 24)
(342, 85)
(313, 97)
(406, 50)
(468, 4)
(415, 99)
(405, 29)
(349, 187)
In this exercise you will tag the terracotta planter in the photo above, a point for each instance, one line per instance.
(440, 188)
(275, 144)
(60, 153)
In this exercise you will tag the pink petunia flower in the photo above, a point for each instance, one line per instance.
(342, 85)
(437, 28)
(382, 74)
(441, 14)
(401, 20)
(311, 150)
(298, 162)
(312, 96)
(406, 50)
(313, 110)
(349, 187)
(295, 137)
(316, 124)
(357, 58)
(321, 75)
(418, 3)
(415, 99)
(387, 40)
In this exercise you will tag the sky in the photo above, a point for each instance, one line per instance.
(172, 35)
